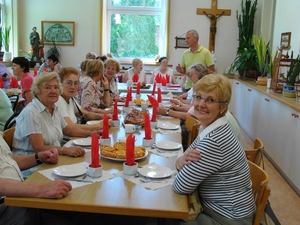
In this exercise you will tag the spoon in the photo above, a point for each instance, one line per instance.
(153, 181)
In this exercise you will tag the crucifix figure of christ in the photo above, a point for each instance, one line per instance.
(213, 14)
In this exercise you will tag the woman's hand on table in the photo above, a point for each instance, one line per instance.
(191, 155)
(75, 151)
(54, 189)
(98, 132)
(161, 110)
(175, 101)
(50, 156)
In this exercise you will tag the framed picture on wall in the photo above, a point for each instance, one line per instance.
(285, 40)
(180, 43)
(60, 32)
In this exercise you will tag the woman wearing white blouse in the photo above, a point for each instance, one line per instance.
(137, 69)
(163, 70)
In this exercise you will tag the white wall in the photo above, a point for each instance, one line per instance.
(87, 17)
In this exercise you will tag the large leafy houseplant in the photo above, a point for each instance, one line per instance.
(5, 35)
(294, 71)
(263, 53)
(54, 49)
(246, 54)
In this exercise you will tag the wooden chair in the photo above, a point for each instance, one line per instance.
(8, 136)
(260, 191)
(192, 125)
(255, 155)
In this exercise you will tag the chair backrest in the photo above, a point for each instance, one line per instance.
(255, 155)
(260, 191)
(11, 121)
(191, 125)
(8, 136)
(14, 101)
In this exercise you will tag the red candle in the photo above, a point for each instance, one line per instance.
(138, 88)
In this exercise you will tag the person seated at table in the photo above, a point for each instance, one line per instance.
(163, 70)
(51, 65)
(12, 185)
(68, 107)
(5, 74)
(111, 69)
(92, 100)
(6, 110)
(137, 69)
(216, 159)
(20, 68)
(91, 55)
(40, 126)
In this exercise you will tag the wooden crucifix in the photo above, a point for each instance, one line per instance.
(213, 14)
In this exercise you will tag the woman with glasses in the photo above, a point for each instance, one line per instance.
(41, 127)
(67, 105)
(215, 164)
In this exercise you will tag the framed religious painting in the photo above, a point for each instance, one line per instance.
(180, 43)
(60, 32)
(285, 40)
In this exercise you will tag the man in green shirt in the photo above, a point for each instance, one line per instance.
(195, 54)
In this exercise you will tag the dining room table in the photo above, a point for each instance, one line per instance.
(120, 194)
(174, 89)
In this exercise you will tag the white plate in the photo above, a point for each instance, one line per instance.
(168, 126)
(93, 122)
(172, 88)
(168, 145)
(123, 160)
(83, 141)
(155, 171)
(70, 170)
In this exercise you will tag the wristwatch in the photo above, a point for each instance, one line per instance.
(167, 113)
(38, 161)
(106, 89)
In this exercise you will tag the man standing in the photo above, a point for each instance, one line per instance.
(195, 54)
(35, 41)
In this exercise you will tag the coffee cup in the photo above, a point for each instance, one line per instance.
(130, 128)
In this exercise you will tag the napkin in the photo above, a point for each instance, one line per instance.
(1, 83)
(138, 88)
(147, 127)
(130, 159)
(168, 78)
(105, 126)
(154, 103)
(163, 81)
(135, 77)
(95, 151)
(127, 98)
(158, 94)
(158, 78)
(130, 94)
(153, 90)
(35, 72)
(115, 113)
(14, 82)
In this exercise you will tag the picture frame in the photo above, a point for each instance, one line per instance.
(60, 32)
(180, 43)
(285, 40)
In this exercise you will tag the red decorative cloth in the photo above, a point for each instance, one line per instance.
(158, 78)
(95, 161)
(154, 87)
(105, 133)
(168, 78)
(127, 98)
(163, 81)
(138, 88)
(14, 82)
(159, 95)
(130, 159)
(115, 113)
(154, 103)
(135, 78)
(147, 127)
(1, 83)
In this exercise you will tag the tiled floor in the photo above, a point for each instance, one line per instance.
(284, 201)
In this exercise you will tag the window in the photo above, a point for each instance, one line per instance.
(135, 28)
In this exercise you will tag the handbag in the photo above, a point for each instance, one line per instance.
(82, 118)
(195, 207)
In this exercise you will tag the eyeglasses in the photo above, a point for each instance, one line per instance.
(208, 101)
(70, 83)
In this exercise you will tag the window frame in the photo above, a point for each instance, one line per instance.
(108, 10)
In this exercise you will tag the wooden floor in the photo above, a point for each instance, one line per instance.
(284, 201)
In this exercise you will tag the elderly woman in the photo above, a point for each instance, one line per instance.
(163, 70)
(52, 64)
(40, 126)
(215, 164)
(92, 100)
(68, 107)
(137, 69)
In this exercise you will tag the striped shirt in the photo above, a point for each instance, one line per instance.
(221, 174)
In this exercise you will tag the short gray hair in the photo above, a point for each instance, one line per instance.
(43, 78)
(194, 33)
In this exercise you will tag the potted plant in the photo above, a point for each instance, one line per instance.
(263, 58)
(246, 54)
(5, 33)
(31, 56)
(54, 49)
(291, 77)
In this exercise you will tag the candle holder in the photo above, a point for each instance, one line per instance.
(105, 141)
(95, 172)
(144, 105)
(153, 125)
(148, 142)
(130, 170)
(116, 123)
(131, 104)
(138, 96)
(127, 109)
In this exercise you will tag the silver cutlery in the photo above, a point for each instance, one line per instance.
(153, 181)
(162, 151)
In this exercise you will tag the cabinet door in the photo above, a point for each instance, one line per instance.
(232, 100)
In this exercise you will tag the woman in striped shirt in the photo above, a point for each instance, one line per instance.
(215, 164)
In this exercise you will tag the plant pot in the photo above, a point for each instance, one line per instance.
(288, 91)
(7, 56)
(262, 81)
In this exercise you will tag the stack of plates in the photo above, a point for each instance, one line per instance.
(168, 145)
(83, 142)
(155, 171)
